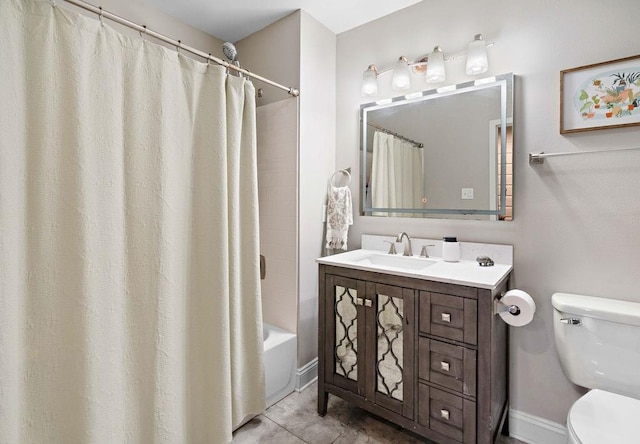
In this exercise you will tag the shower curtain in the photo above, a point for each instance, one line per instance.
(129, 276)
(397, 179)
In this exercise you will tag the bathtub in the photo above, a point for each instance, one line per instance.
(280, 359)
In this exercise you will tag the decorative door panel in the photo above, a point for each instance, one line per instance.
(390, 348)
(345, 317)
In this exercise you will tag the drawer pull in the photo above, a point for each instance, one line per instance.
(446, 317)
(444, 366)
(444, 414)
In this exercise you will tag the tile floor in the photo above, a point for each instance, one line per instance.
(294, 420)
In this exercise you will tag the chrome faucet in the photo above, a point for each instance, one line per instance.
(407, 245)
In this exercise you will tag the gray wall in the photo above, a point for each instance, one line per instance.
(577, 219)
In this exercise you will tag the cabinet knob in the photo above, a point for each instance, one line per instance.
(444, 366)
(359, 301)
(446, 317)
(368, 303)
(444, 414)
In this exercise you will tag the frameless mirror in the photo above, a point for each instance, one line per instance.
(439, 153)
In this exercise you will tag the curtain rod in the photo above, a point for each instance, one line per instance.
(406, 139)
(177, 43)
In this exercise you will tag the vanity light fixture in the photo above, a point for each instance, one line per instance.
(431, 66)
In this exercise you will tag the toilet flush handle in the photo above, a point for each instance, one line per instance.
(571, 321)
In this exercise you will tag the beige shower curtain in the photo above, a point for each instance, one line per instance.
(129, 277)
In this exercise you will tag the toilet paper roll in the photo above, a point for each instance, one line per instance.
(525, 304)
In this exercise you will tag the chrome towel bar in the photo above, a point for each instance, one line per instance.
(538, 158)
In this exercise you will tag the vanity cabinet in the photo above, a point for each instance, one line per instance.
(428, 356)
(369, 347)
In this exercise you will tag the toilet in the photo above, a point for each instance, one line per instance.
(598, 343)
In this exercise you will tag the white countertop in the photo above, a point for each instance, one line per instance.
(464, 272)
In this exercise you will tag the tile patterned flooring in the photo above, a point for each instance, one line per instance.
(294, 420)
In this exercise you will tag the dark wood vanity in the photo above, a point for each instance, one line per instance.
(426, 355)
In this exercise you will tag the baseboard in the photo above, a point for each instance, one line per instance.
(534, 430)
(306, 375)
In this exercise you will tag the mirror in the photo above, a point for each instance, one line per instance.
(438, 153)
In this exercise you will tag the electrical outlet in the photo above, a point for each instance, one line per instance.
(466, 193)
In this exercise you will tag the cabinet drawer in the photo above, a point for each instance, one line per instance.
(447, 365)
(448, 414)
(450, 317)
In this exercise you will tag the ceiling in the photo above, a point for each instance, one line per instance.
(232, 20)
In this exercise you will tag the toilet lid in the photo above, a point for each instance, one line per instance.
(604, 417)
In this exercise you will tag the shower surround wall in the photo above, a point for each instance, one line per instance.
(298, 50)
(277, 125)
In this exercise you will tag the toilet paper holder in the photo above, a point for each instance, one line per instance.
(500, 307)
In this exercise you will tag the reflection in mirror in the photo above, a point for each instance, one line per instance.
(439, 153)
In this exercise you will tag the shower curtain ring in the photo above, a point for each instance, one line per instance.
(143, 33)
(100, 15)
(178, 46)
(53, 3)
(209, 60)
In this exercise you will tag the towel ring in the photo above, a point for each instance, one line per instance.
(345, 172)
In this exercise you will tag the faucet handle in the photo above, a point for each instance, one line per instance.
(423, 252)
(392, 247)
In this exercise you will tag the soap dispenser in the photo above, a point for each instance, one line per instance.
(450, 249)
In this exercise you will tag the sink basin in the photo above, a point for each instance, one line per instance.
(400, 262)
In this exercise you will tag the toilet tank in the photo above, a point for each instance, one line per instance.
(603, 350)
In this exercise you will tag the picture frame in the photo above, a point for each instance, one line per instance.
(600, 96)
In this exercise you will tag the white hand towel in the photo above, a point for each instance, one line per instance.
(339, 217)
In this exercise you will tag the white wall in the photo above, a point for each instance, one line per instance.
(317, 162)
(577, 219)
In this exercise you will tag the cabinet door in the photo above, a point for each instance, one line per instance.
(390, 348)
(344, 351)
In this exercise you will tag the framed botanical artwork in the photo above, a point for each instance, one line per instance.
(600, 96)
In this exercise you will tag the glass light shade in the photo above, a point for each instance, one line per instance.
(401, 76)
(477, 62)
(435, 66)
(370, 81)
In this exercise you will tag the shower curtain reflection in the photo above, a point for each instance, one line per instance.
(397, 179)
(129, 279)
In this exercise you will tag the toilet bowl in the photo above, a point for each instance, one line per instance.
(602, 417)
(598, 343)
